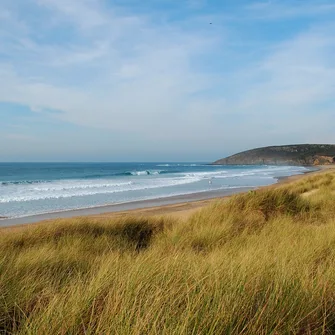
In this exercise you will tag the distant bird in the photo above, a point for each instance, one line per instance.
(210, 22)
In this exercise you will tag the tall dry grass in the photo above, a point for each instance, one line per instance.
(260, 263)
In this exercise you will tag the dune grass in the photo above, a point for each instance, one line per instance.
(262, 262)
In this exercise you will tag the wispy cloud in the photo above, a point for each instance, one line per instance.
(84, 13)
(276, 10)
(139, 74)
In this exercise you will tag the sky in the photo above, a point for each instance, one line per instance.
(163, 80)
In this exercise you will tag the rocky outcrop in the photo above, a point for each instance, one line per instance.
(300, 154)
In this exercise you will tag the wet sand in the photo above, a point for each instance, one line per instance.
(178, 206)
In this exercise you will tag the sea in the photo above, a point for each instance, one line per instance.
(36, 188)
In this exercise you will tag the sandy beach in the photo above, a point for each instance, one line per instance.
(183, 210)
(266, 246)
(179, 206)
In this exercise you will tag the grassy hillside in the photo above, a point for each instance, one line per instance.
(299, 154)
(259, 263)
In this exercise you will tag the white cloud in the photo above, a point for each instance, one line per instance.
(129, 74)
(140, 79)
(85, 13)
(298, 72)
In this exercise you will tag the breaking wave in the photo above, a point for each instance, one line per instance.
(58, 190)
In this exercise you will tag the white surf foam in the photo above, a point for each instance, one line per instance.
(146, 180)
(76, 188)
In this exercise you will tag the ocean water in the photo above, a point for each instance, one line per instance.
(35, 188)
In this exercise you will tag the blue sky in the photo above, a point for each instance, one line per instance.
(112, 80)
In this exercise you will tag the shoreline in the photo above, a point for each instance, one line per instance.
(124, 207)
(180, 205)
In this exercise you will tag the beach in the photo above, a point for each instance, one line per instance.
(208, 266)
(180, 207)
(31, 192)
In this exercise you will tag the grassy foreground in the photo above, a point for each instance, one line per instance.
(259, 263)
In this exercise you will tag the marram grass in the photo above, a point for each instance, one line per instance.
(259, 263)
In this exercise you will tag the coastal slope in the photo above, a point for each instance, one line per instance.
(298, 154)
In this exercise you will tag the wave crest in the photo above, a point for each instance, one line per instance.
(23, 182)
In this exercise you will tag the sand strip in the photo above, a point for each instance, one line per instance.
(179, 206)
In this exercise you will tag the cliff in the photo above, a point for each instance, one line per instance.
(301, 154)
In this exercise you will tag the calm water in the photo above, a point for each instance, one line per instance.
(33, 188)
